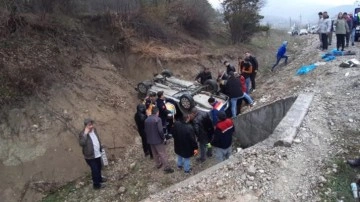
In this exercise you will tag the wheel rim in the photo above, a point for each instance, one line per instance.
(185, 103)
(142, 88)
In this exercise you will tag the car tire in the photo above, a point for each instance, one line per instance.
(166, 73)
(143, 87)
(187, 102)
(211, 86)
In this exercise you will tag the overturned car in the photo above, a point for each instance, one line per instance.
(185, 94)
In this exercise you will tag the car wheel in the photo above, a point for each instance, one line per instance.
(143, 87)
(211, 86)
(187, 102)
(166, 73)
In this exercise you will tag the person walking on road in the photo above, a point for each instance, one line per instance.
(156, 139)
(281, 53)
(91, 147)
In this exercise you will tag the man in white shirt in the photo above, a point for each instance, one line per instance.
(91, 146)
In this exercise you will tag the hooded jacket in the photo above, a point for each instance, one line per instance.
(324, 26)
(184, 139)
(282, 50)
(140, 117)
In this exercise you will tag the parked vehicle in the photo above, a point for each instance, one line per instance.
(186, 94)
(303, 32)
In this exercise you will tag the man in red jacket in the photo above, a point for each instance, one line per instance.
(223, 137)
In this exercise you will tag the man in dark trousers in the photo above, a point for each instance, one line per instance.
(255, 66)
(223, 137)
(204, 75)
(204, 130)
(185, 145)
(156, 139)
(91, 147)
(140, 117)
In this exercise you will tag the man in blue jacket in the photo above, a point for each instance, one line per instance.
(281, 54)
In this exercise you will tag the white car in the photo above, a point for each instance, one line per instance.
(303, 32)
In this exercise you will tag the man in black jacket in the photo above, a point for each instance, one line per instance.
(140, 117)
(229, 67)
(233, 90)
(255, 66)
(204, 75)
(185, 145)
(204, 130)
(223, 137)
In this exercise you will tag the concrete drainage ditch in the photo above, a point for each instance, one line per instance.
(274, 125)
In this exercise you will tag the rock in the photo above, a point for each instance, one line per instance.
(251, 170)
(351, 120)
(219, 183)
(297, 140)
(322, 179)
(35, 126)
(132, 165)
(221, 196)
(121, 190)
(261, 171)
(251, 178)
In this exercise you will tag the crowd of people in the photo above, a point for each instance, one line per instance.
(344, 27)
(196, 133)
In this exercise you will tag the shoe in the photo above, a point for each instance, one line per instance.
(200, 160)
(168, 170)
(101, 186)
(103, 179)
(180, 167)
(354, 163)
(159, 166)
(352, 44)
(188, 171)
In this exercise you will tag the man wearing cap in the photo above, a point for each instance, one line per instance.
(222, 139)
(156, 139)
(91, 146)
(281, 54)
(204, 75)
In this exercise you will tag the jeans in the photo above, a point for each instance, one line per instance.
(222, 154)
(352, 36)
(233, 102)
(247, 83)
(184, 162)
(95, 166)
(347, 37)
(278, 58)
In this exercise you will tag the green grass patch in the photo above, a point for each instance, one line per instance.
(338, 184)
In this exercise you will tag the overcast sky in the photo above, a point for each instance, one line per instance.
(295, 8)
(278, 6)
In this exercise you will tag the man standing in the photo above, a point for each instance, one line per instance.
(163, 112)
(352, 29)
(281, 54)
(156, 139)
(255, 67)
(185, 145)
(217, 106)
(223, 137)
(233, 90)
(324, 29)
(140, 118)
(349, 21)
(150, 102)
(204, 75)
(204, 130)
(91, 148)
(320, 14)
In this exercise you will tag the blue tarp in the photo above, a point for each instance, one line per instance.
(305, 69)
(326, 57)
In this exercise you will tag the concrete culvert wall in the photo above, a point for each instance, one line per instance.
(258, 125)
